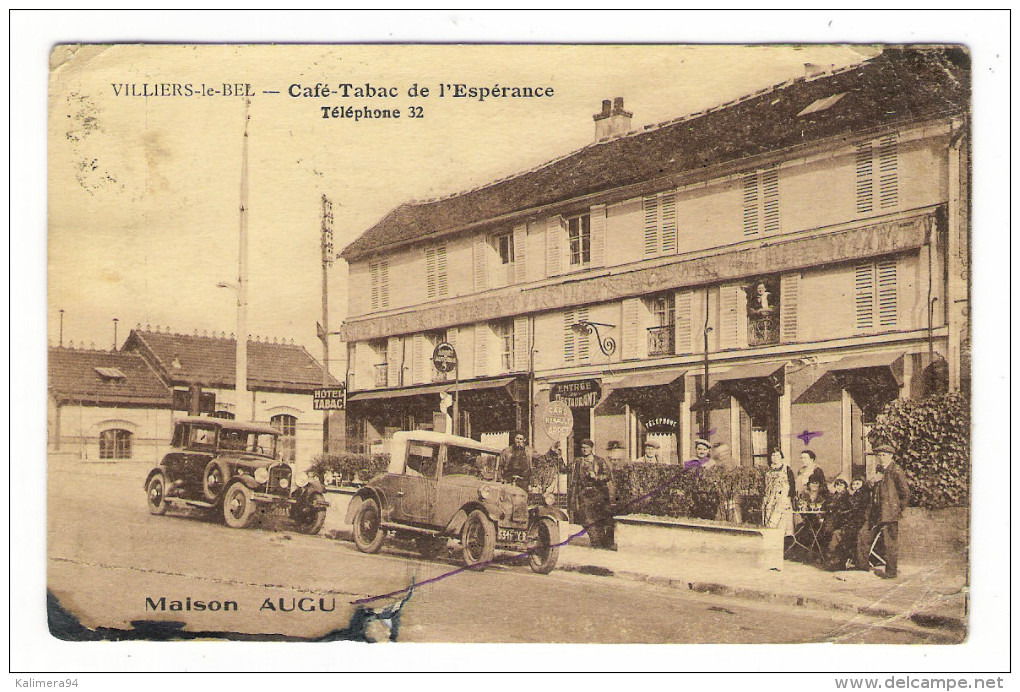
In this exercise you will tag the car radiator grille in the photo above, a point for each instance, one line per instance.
(275, 474)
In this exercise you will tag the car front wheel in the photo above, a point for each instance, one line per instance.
(543, 546)
(478, 537)
(368, 531)
(238, 506)
(155, 492)
(308, 519)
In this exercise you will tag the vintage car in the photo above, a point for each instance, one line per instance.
(231, 467)
(440, 486)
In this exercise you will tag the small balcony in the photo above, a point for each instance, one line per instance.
(381, 375)
(660, 341)
(763, 330)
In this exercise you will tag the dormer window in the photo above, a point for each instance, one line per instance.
(111, 374)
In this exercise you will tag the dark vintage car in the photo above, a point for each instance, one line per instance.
(440, 486)
(231, 467)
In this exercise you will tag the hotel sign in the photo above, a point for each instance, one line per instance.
(577, 394)
(329, 398)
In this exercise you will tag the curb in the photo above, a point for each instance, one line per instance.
(928, 621)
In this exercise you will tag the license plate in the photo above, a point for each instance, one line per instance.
(512, 536)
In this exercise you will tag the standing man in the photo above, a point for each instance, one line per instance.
(651, 455)
(516, 461)
(895, 496)
(703, 451)
(592, 480)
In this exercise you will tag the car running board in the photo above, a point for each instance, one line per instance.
(190, 503)
(415, 529)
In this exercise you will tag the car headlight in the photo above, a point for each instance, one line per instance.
(300, 479)
(284, 482)
(485, 492)
(550, 499)
(262, 475)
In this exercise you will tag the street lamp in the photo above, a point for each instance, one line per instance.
(607, 345)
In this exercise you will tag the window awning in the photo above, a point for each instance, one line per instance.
(645, 390)
(754, 384)
(889, 362)
(750, 372)
(869, 377)
(424, 389)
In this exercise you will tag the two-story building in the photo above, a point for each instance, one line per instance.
(761, 272)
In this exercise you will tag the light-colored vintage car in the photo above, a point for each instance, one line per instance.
(441, 486)
(231, 467)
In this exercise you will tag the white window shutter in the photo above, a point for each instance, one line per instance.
(393, 364)
(373, 270)
(384, 283)
(569, 353)
(732, 302)
(633, 339)
(480, 258)
(554, 245)
(482, 349)
(583, 339)
(599, 223)
(770, 199)
(864, 297)
(751, 224)
(684, 337)
(418, 359)
(888, 293)
(522, 344)
(789, 291)
(442, 285)
(669, 222)
(352, 365)
(651, 212)
(888, 174)
(520, 246)
(865, 178)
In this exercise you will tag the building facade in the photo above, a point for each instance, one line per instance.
(120, 405)
(767, 274)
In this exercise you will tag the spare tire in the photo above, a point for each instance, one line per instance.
(214, 479)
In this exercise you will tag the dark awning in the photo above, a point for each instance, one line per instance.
(871, 378)
(749, 372)
(889, 362)
(424, 389)
(645, 390)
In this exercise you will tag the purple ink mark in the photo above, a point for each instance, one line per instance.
(807, 435)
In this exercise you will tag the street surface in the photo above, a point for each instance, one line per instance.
(107, 554)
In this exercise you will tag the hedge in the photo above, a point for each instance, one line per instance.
(666, 490)
(931, 441)
(349, 467)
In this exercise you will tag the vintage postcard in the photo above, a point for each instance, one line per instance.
(509, 343)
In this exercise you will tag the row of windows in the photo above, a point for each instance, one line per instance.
(115, 443)
(876, 181)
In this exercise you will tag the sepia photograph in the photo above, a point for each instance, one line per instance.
(548, 343)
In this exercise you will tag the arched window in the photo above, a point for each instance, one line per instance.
(115, 444)
(287, 425)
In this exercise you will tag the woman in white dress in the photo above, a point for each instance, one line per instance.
(780, 487)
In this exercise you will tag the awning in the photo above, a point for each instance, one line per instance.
(755, 386)
(872, 378)
(890, 363)
(424, 389)
(646, 390)
(749, 372)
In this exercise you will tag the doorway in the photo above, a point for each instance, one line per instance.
(582, 429)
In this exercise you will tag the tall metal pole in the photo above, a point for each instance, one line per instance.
(327, 260)
(61, 342)
(115, 320)
(704, 384)
(245, 406)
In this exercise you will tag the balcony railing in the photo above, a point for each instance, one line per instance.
(763, 330)
(660, 341)
(382, 375)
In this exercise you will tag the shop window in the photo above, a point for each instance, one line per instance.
(661, 333)
(763, 311)
(579, 238)
(115, 444)
(287, 425)
(504, 331)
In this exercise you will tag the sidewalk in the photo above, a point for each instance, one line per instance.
(931, 595)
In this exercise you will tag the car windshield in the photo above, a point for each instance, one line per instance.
(262, 443)
(462, 461)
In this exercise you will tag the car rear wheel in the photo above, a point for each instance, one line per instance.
(368, 531)
(543, 546)
(308, 519)
(214, 479)
(155, 493)
(238, 506)
(478, 537)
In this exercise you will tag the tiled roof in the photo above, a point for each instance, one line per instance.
(185, 359)
(77, 375)
(901, 85)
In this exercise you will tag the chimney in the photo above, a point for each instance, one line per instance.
(612, 121)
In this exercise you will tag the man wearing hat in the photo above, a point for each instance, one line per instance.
(703, 451)
(894, 496)
(651, 455)
(592, 480)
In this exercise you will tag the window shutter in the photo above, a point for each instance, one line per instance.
(887, 293)
(430, 272)
(770, 199)
(393, 364)
(730, 308)
(669, 227)
(373, 270)
(583, 340)
(442, 286)
(865, 178)
(554, 245)
(352, 365)
(651, 209)
(568, 336)
(684, 337)
(384, 283)
(788, 290)
(418, 359)
(520, 243)
(632, 336)
(522, 344)
(864, 296)
(888, 183)
(435, 271)
(750, 204)
(598, 235)
(479, 252)
(481, 349)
